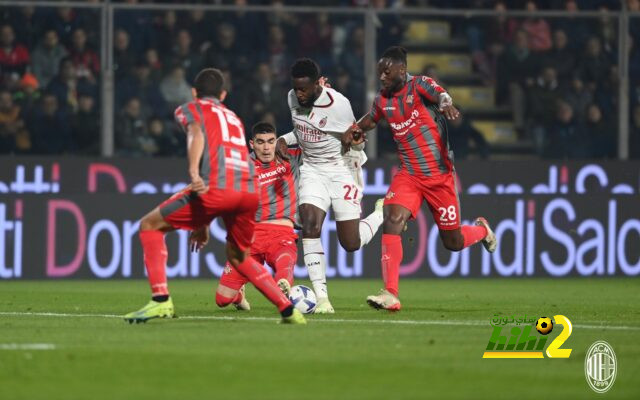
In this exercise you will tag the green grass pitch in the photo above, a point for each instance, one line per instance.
(431, 349)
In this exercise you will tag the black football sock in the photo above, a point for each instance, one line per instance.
(161, 299)
(287, 312)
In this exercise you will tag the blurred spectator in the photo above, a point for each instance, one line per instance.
(225, 52)
(200, 29)
(165, 30)
(85, 127)
(352, 91)
(537, 28)
(607, 31)
(465, 139)
(267, 95)
(49, 128)
(28, 95)
(123, 57)
(174, 88)
(84, 59)
(130, 130)
(277, 54)
(575, 27)
(566, 137)
(352, 60)
(634, 133)
(602, 136)
(14, 57)
(46, 58)
(152, 59)
(65, 87)
(160, 141)
(140, 86)
(543, 97)
(389, 26)
(578, 97)
(250, 27)
(594, 64)
(65, 21)
(182, 54)
(315, 40)
(560, 56)
(26, 25)
(11, 122)
(515, 74)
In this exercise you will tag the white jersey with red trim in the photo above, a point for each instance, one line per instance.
(318, 129)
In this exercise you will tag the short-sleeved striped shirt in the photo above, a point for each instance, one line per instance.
(418, 127)
(278, 188)
(225, 162)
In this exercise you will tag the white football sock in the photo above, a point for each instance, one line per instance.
(369, 226)
(316, 265)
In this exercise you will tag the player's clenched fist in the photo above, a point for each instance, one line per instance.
(352, 136)
(197, 184)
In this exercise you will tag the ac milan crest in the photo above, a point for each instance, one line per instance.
(322, 122)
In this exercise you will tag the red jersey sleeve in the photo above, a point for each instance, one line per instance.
(428, 88)
(376, 112)
(186, 114)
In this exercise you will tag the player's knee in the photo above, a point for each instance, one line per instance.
(311, 229)
(453, 243)
(350, 245)
(394, 223)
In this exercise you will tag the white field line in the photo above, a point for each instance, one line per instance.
(27, 346)
(312, 320)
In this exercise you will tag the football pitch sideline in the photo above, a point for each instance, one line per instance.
(67, 340)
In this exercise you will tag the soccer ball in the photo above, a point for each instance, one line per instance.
(303, 299)
(544, 325)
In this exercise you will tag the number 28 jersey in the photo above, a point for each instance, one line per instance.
(225, 162)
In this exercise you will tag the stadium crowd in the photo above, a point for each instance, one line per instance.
(558, 75)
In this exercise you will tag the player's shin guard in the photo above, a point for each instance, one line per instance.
(262, 280)
(316, 265)
(155, 260)
(473, 234)
(369, 226)
(391, 259)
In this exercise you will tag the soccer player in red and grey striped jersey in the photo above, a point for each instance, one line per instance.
(222, 184)
(275, 238)
(415, 108)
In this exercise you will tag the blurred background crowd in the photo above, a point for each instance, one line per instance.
(552, 83)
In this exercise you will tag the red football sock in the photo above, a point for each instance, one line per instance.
(262, 280)
(155, 260)
(284, 267)
(473, 234)
(391, 259)
(223, 301)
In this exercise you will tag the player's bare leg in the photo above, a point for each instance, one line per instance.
(152, 230)
(353, 234)
(395, 220)
(226, 295)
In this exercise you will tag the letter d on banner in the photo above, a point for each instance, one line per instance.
(54, 270)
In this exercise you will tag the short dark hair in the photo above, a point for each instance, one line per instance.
(396, 53)
(209, 82)
(262, 127)
(305, 68)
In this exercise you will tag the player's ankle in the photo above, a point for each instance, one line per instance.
(161, 298)
(287, 312)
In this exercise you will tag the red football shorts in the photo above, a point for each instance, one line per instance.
(187, 210)
(271, 242)
(439, 192)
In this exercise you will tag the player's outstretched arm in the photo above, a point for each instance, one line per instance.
(195, 147)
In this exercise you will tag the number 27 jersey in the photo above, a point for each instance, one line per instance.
(225, 162)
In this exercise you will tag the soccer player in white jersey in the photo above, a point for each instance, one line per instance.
(328, 176)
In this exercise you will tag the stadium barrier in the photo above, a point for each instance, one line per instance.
(77, 218)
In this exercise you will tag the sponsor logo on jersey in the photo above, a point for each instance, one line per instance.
(388, 108)
(397, 126)
(309, 133)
